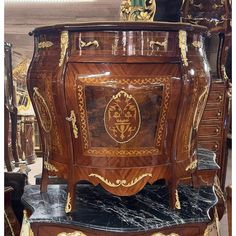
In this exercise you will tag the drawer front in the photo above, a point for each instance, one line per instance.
(214, 145)
(126, 43)
(216, 97)
(213, 115)
(209, 131)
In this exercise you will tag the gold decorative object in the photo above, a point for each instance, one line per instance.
(75, 233)
(157, 43)
(68, 204)
(214, 226)
(192, 166)
(137, 10)
(72, 118)
(156, 150)
(197, 44)
(88, 44)
(25, 228)
(50, 167)
(20, 71)
(43, 111)
(161, 234)
(9, 223)
(225, 76)
(120, 182)
(64, 46)
(183, 46)
(122, 117)
(177, 203)
(218, 189)
(216, 6)
(45, 44)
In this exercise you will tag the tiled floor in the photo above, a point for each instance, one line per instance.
(36, 169)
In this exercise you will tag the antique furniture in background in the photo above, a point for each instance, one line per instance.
(9, 109)
(126, 117)
(11, 224)
(214, 127)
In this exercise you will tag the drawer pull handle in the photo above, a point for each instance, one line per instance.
(160, 44)
(219, 114)
(217, 130)
(216, 146)
(72, 119)
(220, 98)
(88, 44)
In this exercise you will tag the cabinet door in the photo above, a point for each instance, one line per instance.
(122, 110)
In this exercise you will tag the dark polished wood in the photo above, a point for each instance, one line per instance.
(11, 224)
(63, 230)
(119, 107)
(214, 127)
(10, 108)
(229, 208)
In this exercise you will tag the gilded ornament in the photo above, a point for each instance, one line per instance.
(25, 228)
(45, 44)
(183, 46)
(20, 71)
(122, 118)
(42, 110)
(177, 203)
(161, 234)
(197, 44)
(88, 44)
(224, 72)
(75, 233)
(120, 182)
(50, 167)
(137, 12)
(72, 118)
(157, 43)
(68, 204)
(64, 46)
(192, 166)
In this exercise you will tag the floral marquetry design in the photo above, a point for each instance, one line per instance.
(122, 117)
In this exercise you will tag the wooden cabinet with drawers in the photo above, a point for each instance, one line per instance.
(213, 128)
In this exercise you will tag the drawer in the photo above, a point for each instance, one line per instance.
(215, 97)
(214, 145)
(125, 43)
(208, 131)
(212, 115)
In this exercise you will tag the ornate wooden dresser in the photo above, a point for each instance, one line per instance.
(214, 127)
(119, 104)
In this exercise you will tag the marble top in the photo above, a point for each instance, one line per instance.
(98, 209)
(206, 160)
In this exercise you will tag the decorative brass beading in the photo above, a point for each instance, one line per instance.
(88, 44)
(157, 43)
(68, 204)
(50, 167)
(43, 110)
(214, 225)
(122, 117)
(177, 203)
(218, 189)
(9, 223)
(72, 118)
(183, 46)
(45, 44)
(192, 165)
(161, 234)
(75, 233)
(120, 182)
(64, 46)
(137, 11)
